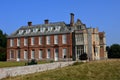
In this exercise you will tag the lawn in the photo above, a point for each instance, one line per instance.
(14, 64)
(95, 70)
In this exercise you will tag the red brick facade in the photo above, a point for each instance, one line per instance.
(36, 47)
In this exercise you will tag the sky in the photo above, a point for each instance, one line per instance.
(104, 14)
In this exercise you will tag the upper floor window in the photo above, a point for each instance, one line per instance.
(18, 41)
(79, 38)
(25, 41)
(11, 42)
(48, 39)
(64, 39)
(55, 39)
(40, 40)
(79, 27)
(32, 40)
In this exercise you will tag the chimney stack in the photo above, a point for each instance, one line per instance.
(29, 23)
(72, 19)
(46, 21)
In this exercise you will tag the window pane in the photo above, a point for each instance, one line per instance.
(48, 53)
(11, 54)
(11, 42)
(25, 41)
(64, 51)
(32, 41)
(33, 54)
(18, 41)
(48, 39)
(40, 54)
(25, 55)
(56, 39)
(64, 39)
(40, 40)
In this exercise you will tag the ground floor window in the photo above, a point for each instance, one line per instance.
(25, 54)
(11, 54)
(56, 54)
(48, 53)
(33, 54)
(18, 54)
(40, 54)
(64, 52)
(79, 50)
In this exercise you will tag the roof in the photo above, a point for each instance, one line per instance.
(42, 29)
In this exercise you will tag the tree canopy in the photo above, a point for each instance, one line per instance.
(3, 44)
(113, 51)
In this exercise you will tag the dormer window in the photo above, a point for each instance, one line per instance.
(50, 28)
(35, 29)
(21, 31)
(42, 29)
(28, 31)
(57, 28)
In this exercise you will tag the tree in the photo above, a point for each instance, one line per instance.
(3, 44)
(113, 51)
(83, 56)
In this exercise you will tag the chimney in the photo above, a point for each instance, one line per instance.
(46, 21)
(72, 19)
(29, 23)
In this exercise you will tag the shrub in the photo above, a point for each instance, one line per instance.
(32, 62)
(83, 56)
(77, 63)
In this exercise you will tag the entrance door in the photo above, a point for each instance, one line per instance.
(18, 55)
(56, 54)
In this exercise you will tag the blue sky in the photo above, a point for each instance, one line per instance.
(104, 14)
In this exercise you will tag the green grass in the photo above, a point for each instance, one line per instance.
(14, 64)
(96, 70)
(11, 64)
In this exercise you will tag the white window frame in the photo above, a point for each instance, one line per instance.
(25, 41)
(21, 32)
(35, 30)
(32, 54)
(48, 53)
(64, 52)
(47, 39)
(55, 39)
(11, 42)
(42, 29)
(40, 40)
(18, 41)
(25, 54)
(40, 54)
(64, 38)
(32, 40)
(11, 54)
(57, 28)
(28, 31)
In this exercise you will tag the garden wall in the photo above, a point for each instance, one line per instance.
(14, 71)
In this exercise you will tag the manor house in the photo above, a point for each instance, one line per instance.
(56, 41)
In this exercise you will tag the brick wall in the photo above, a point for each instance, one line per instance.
(38, 47)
